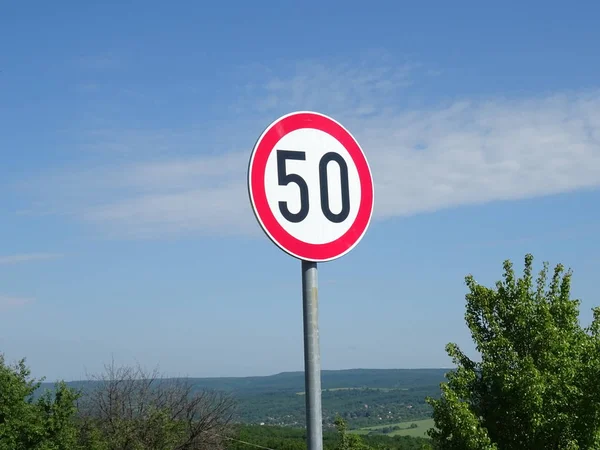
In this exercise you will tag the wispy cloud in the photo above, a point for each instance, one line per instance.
(27, 257)
(8, 302)
(358, 88)
(479, 151)
(460, 153)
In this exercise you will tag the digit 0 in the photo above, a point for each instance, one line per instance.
(343, 214)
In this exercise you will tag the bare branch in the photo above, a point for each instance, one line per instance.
(135, 407)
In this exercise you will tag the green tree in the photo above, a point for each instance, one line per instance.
(536, 385)
(44, 424)
(348, 441)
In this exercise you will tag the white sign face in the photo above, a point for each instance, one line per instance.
(310, 186)
(336, 193)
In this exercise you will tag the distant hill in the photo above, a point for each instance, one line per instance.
(363, 397)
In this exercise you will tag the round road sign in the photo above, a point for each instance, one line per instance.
(310, 186)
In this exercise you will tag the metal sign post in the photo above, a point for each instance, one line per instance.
(311, 190)
(312, 356)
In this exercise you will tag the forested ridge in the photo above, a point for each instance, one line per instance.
(363, 397)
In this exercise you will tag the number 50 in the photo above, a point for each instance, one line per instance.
(285, 178)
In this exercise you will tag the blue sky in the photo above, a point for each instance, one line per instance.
(126, 128)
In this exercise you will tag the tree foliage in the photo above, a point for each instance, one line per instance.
(536, 384)
(246, 436)
(44, 424)
(348, 441)
(130, 409)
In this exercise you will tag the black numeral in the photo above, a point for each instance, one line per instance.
(343, 214)
(285, 178)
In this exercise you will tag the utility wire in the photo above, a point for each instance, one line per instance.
(248, 443)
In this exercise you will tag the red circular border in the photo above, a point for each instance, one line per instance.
(292, 245)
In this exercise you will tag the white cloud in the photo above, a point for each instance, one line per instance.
(476, 152)
(218, 210)
(356, 89)
(465, 152)
(27, 257)
(7, 302)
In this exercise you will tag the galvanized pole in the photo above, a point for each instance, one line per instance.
(312, 356)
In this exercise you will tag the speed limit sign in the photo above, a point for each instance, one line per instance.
(310, 186)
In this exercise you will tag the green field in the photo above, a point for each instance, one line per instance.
(420, 431)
